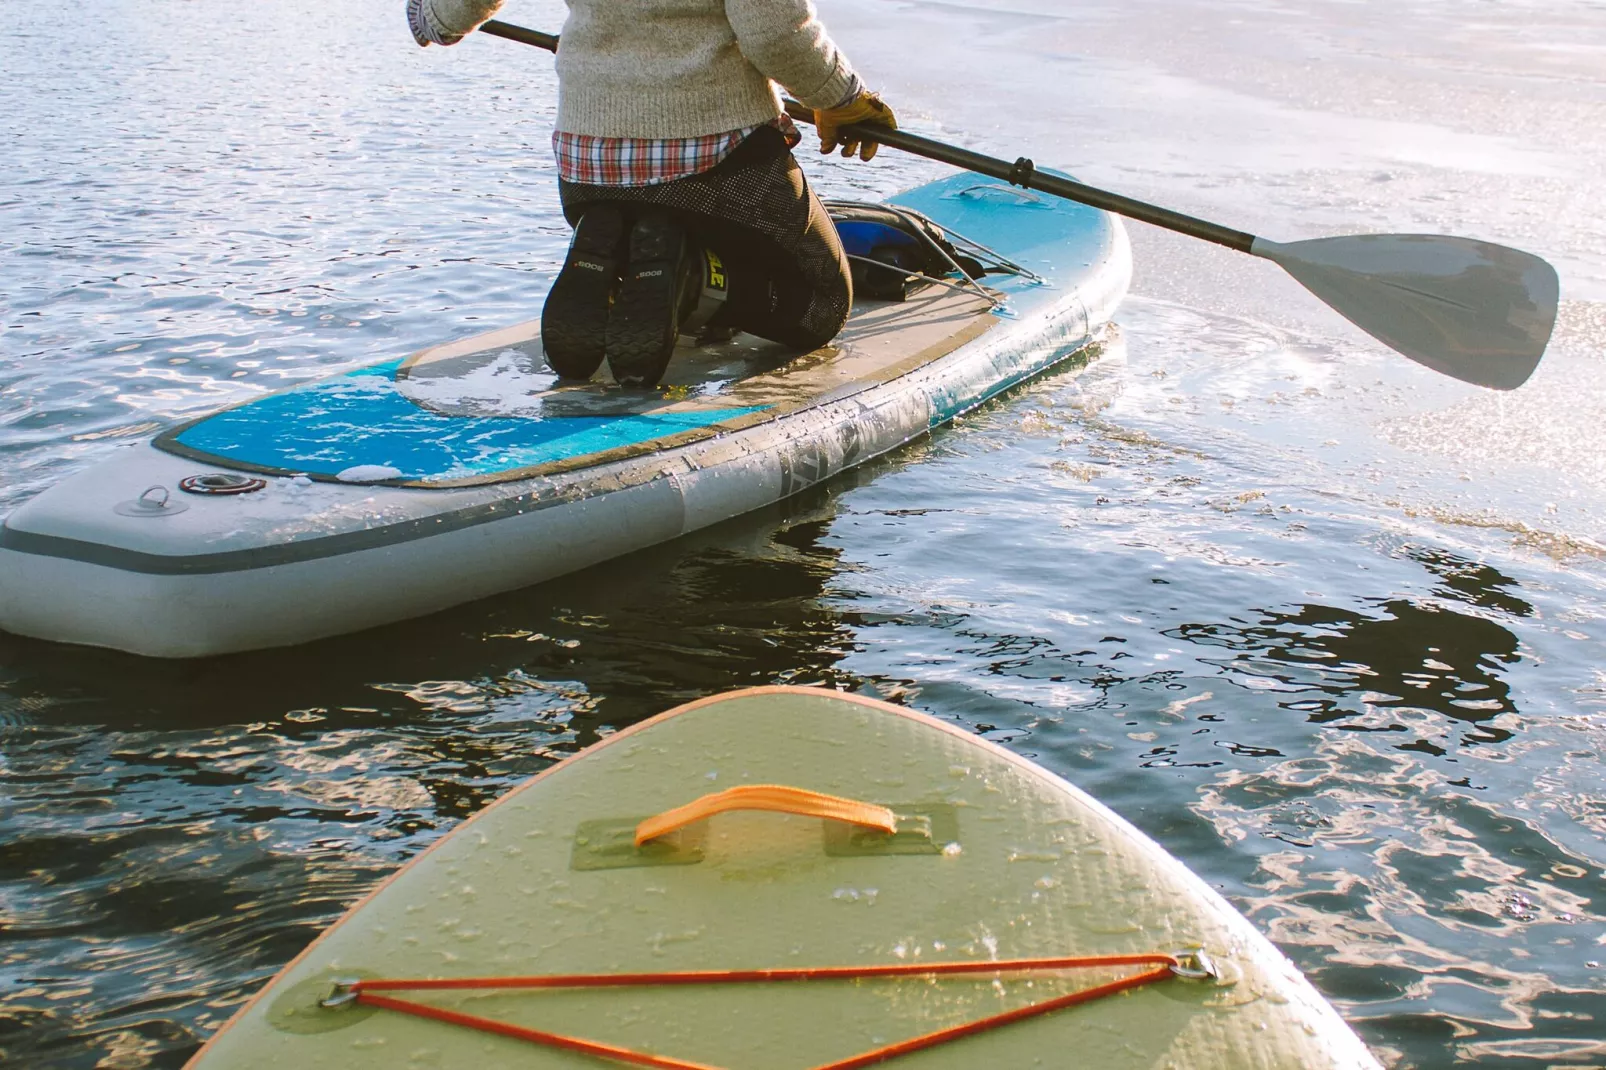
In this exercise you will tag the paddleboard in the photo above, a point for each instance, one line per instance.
(407, 486)
(753, 928)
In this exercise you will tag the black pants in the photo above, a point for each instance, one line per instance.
(788, 274)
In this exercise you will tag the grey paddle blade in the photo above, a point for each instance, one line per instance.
(1471, 309)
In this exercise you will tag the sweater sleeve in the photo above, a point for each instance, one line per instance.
(446, 22)
(786, 42)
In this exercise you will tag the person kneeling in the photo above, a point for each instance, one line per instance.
(676, 171)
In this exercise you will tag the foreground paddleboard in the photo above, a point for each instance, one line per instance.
(465, 470)
(991, 859)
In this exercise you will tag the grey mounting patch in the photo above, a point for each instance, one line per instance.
(303, 1008)
(1208, 981)
(1194, 965)
(923, 829)
(610, 843)
(153, 501)
(342, 994)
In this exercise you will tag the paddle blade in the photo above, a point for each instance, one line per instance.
(1474, 310)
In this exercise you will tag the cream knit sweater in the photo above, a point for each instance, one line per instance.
(683, 68)
(671, 68)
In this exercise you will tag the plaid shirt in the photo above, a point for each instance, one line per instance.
(641, 161)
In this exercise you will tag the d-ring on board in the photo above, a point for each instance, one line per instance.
(993, 187)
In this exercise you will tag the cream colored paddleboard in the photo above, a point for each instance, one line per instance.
(994, 859)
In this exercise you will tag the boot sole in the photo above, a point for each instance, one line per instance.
(574, 320)
(645, 321)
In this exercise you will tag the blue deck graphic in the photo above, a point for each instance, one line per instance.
(360, 419)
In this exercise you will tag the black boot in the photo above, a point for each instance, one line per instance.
(661, 285)
(574, 321)
(710, 321)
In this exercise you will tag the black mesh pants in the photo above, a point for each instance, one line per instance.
(788, 274)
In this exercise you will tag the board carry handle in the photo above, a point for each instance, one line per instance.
(777, 798)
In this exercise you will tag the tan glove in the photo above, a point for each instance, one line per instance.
(866, 108)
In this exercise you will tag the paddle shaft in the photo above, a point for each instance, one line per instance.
(510, 32)
(1020, 173)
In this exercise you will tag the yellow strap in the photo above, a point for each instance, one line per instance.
(776, 797)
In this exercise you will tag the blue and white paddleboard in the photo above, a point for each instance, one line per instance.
(464, 470)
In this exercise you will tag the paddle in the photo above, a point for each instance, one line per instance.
(1471, 309)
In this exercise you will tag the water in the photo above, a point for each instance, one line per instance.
(1328, 627)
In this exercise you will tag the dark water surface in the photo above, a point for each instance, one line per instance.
(1328, 628)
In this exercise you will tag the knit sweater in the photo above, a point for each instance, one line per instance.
(685, 68)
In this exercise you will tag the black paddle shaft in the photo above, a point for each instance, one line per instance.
(1020, 173)
(510, 32)
(1024, 173)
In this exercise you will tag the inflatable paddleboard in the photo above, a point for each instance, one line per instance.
(791, 878)
(468, 469)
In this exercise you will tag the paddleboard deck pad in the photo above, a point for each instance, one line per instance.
(468, 469)
(914, 934)
(496, 413)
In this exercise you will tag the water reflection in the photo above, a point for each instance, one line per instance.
(177, 831)
(1436, 916)
(1393, 885)
(1411, 657)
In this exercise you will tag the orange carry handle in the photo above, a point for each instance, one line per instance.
(774, 797)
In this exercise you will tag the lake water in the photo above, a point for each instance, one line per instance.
(1327, 626)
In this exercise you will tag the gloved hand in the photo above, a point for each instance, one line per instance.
(865, 108)
(446, 22)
